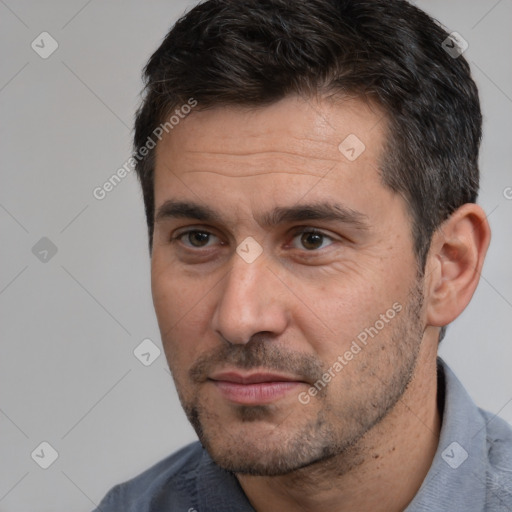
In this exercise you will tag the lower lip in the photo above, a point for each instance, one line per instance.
(255, 394)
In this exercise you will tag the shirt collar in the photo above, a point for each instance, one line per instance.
(455, 480)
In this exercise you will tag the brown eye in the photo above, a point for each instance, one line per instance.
(312, 239)
(198, 238)
(195, 238)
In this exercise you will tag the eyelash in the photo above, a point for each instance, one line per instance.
(302, 231)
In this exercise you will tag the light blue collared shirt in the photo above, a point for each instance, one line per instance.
(471, 470)
(472, 467)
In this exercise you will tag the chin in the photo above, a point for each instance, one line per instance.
(261, 461)
(255, 446)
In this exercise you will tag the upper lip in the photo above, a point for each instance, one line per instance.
(252, 378)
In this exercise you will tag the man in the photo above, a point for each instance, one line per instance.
(310, 173)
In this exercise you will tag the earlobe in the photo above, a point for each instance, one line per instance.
(455, 262)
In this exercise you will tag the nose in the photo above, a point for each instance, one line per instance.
(250, 302)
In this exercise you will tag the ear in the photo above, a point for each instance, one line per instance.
(454, 263)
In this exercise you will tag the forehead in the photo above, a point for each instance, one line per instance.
(274, 154)
(299, 127)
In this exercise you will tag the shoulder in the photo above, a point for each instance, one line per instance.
(499, 465)
(170, 480)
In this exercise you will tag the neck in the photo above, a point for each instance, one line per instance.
(382, 472)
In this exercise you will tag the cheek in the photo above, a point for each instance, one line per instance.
(342, 316)
(180, 313)
(172, 293)
(167, 301)
(344, 306)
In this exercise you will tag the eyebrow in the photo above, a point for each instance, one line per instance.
(324, 211)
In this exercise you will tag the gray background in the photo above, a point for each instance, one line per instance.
(70, 324)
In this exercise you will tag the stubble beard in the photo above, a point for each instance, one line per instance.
(333, 432)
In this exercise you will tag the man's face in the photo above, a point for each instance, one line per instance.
(249, 325)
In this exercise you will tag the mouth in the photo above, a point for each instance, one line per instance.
(255, 388)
